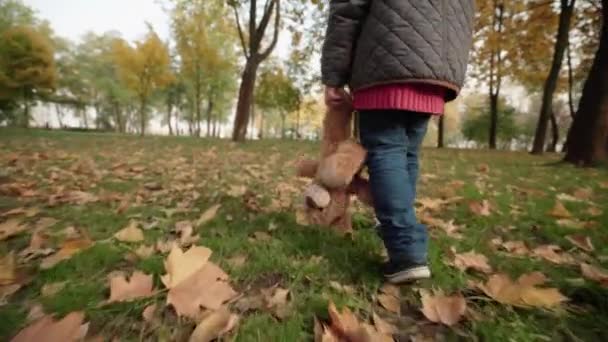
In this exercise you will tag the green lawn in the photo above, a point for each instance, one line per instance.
(164, 180)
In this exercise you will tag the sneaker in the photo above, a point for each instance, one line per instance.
(404, 273)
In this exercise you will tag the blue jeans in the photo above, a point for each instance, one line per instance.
(393, 139)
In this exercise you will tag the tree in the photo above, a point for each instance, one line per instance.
(255, 54)
(588, 136)
(27, 67)
(144, 69)
(478, 118)
(277, 92)
(546, 112)
(15, 13)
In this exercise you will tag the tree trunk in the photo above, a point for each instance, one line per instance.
(561, 43)
(142, 117)
(440, 130)
(243, 109)
(297, 132)
(552, 147)
(493, 120)
(26, 109)
(588, 136)
(570, 81)
(169, 116)
(209, 111)
(282, 125)
(59, 113)
(214, 130)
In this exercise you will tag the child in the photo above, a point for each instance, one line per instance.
(402, 59)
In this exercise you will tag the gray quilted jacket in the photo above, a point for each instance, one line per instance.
(373, 42)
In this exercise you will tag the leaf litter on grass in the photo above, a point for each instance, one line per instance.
(439, 308)
(522, 293)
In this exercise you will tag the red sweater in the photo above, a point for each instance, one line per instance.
(415, 97)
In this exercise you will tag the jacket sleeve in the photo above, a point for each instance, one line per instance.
(344, 26)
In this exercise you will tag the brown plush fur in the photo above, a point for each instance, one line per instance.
(337, 171)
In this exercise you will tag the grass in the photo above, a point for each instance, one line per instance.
(195, 174)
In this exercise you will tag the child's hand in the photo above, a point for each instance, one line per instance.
(336, 97)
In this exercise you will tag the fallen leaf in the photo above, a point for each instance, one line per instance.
(237, 261)
(342, 288)
(131, 233)
(11, 228)
(51, 289)
(383, 326)
(185, 229)
(581, 241)
(480, 208)
(194, 282)
(29, 212)
(604, 185)
(518, 248)
(144, 251)
(568, 223)
(139, 286)
(46, 329)
(276, 300)
(36, 312)
(472, 260)
(439, 308)
(166, 246)
(180, 265)
(45, 222)
(8, 275)
(594, 211)
(553, 253)
(432, 204)
(346, 325)
(567, 198)
(560, 211)
(595, 273)
(68, 249)
(583, 193)
(522, 293)
(208, 215)
(214, 325)
(391, 290)
(148, 313)
(262, 236)
(483, 168)
(237, 191)
(7, 291)
(532, 279)
(390, 303)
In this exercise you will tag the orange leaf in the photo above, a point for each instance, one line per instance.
(581, 241)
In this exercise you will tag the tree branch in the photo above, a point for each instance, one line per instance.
(275, 38)
(259, 34)
(240, 29)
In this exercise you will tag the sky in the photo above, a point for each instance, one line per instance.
(72, 18)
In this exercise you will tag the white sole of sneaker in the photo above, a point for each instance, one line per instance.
(409, 275)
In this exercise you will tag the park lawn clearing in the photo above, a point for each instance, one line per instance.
(99, 228)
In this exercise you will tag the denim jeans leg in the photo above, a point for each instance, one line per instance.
(384, 135)
(416, 126)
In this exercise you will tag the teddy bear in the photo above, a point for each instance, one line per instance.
(336, 175)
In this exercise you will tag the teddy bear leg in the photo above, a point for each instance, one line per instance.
(307, 168)
(360, 187)
(337, 170)
(316, 196)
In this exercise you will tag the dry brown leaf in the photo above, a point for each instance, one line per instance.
(390, 303)
(36, 312)
(237, 261)
(342, 288)
(483, 168)
(595, 211)
(595, 273)
(51, 289)
(439, 308)
(262, 236)
(518, 248)
(166, 246)
(581, 241)
(131, 233)
(207, 288)
(148, 313)
(180, 265)
(472, 260)
(8, 276)
(553, 253)
(144, 251)
(208, 215)
(214, 325)
(383, 326)
(46, 329)
(583, 193)
(532, 279)
(560, 211)
(29, 212)
(391, 290)
(480, 208)
(568, 223)
(185, 229)
(346, 325)
(237, 191)
(45, 222)
(68, 249)
(139, 286)
(523, 293)
(276, 300)
(432, 204)
(11, 228)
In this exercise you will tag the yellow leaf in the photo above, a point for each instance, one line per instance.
(130, 234)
